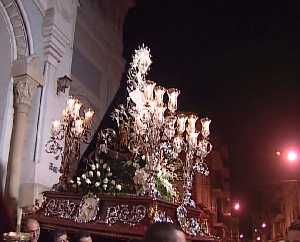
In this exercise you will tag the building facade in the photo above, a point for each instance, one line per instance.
(43, 43)
(213, 194)
(278, 209)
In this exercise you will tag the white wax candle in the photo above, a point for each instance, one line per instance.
(19, 219)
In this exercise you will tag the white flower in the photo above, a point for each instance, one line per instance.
(91, 174)
(109, 174)
(108, 169)
(88, 181)
(97, 165)
(93, 167)
(79, 183)
(105, 180)
(119, 187)
(135, 164)
(104, 186)
(83, 176)
(113, 182)
(104, 165)
(71, 181)
(98, 174)
(78, 178)
(97, 184)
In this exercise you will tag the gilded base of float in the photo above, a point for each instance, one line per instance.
(118, 216)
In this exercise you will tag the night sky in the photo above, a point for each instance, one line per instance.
(237, 62)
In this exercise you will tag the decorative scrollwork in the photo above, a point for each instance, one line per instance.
(125, 214)
(189, 225)
(157, 215)
(61, 208)
(161, 216)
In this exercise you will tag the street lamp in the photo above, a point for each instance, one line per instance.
(237, 206)
(292, 156)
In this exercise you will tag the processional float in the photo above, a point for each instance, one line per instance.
(141, 170)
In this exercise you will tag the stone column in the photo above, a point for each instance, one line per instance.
(27, 76)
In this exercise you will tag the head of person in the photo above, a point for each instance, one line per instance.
(59, 235)
(82, 236)
(163, 232)
(32, 226)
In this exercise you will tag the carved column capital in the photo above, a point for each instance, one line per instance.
(27, 75)
(24, 87)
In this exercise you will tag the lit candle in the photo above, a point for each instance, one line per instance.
(138, 98)
(173, 95)
(181, 120)
(192, 119)
(19, 220)
(148, 91)
(159, 92)
(88, 114)
(55, 126)
(192, 139)
(70, 103)
(205, 127)
(76, 109)
(159, 113)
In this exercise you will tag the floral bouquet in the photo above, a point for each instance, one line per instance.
(97, 178)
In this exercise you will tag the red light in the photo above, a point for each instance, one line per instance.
(237, 206)
(292, 156)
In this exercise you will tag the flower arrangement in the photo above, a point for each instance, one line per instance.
(163, 180)
(97, 178)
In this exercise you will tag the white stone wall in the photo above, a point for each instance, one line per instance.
(97, 62)
(5, 92)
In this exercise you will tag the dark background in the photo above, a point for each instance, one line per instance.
(236, 62)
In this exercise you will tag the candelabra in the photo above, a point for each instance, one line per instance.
(67, 135)
(153, 129)
(195, 150)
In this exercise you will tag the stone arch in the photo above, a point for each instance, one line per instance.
(19, 26)
(15, 43)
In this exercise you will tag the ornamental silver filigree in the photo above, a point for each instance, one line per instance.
(61, 208)
(190, 226)
(161, 216)
(125, 214)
